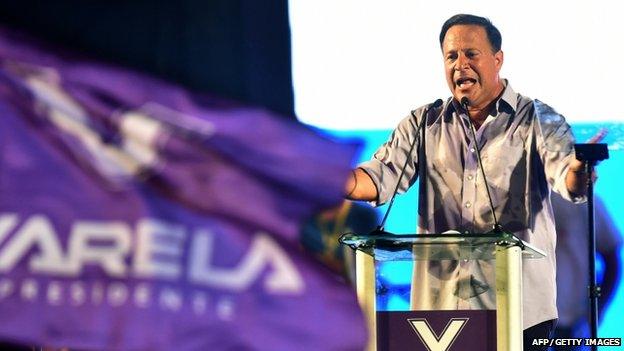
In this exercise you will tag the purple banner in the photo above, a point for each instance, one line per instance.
(136, 215)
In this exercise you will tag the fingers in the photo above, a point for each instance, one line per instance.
(598, 136)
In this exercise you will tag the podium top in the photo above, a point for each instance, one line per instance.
(384, 246)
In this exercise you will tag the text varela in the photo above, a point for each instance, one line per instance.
(156, 249)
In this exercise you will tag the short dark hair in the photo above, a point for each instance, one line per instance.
(494, 36)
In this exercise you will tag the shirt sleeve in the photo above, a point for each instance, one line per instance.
(556, 149)
(385, 166)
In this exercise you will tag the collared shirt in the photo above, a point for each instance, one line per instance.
(525, 147)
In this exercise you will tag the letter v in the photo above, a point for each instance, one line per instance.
(431, 340)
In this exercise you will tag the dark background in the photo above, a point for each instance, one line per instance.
(237, 49)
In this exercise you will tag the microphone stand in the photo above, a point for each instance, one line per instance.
(591, 154)
(593, 287)
(419, 129)
(496, 228)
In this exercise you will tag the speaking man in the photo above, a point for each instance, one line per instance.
(527, 152)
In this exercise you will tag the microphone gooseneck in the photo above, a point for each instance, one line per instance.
(465, 103)
(419, 129)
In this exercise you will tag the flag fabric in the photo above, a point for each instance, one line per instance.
(137, 215)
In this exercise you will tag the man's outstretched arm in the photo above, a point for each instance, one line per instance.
(360, 186)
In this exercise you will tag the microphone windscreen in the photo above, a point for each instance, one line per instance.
(465, 102)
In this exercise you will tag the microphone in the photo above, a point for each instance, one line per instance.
(420, 132)
(465, 103)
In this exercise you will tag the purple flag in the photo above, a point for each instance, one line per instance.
(136, 215)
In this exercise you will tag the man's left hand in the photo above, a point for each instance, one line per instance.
(579, 166)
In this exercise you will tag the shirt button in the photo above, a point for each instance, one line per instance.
(469, 177)
(472, 149)
(468, 204)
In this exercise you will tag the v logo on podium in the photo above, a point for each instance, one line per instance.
(431, 340)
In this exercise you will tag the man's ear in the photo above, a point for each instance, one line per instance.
(498, 59)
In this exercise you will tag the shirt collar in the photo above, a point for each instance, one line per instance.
(509, 97)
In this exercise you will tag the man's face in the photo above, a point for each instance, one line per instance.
(471, 66)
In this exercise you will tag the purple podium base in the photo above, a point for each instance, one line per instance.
(465, 330)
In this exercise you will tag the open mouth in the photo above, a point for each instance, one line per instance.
(465, 82)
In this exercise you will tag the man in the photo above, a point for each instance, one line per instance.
(527, 151)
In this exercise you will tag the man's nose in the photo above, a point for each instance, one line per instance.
(461, 63)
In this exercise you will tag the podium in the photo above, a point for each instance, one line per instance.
(466, 291)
